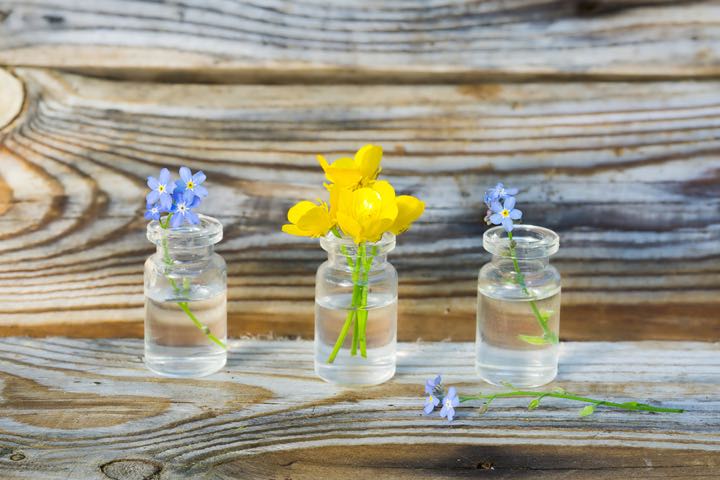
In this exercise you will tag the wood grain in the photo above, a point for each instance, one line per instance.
(266, 416)
(415, 41)
(628, 174)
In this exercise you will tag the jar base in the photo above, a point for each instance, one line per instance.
(518, 378)
(356, 376)
(185, 367)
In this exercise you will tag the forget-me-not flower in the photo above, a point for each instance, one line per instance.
(153, 211)
(434, 391)
(504, 214)
(191, 182)
(161, 189)
(450, 401)
(182, 207)
(497, 193)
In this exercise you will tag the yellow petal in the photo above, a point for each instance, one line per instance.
(294, 230)
(350, 226)
(409, 210)
(316, 221)
(388, 210)
(298, 210)
(368, 160)
(367, 205)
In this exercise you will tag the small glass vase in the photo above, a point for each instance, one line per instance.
(185, 300)
(518, 314)
(356, 312)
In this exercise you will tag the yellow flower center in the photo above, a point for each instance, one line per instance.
(505, 213)
(190, 185)
(161, 188)
(430, 398)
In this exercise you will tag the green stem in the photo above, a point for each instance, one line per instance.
(548, 335)
(568, 396)
(357, 315)
(186, 288)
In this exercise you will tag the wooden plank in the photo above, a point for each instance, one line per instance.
(76, 408)
(415, 40)
(627, 173)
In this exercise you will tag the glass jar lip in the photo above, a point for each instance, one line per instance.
(208, 232)
(331, 243)
(531, 241)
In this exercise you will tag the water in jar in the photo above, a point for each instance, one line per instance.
(503, 357)
(379, 366)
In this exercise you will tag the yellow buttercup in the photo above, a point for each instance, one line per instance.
(308, 220)
(409, 210)
(355, 172)
(368, 212)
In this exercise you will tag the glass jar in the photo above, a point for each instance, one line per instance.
(356, 312)
(185, 300)
(518, 314)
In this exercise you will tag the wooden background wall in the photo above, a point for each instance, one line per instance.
(605, 113)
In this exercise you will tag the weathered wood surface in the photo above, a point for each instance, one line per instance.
(628, 174)
(360, 41)
(88, 409)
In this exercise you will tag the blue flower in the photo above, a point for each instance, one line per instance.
(183, 203)
(504, 214)
(434, 391)
(497, 193)
(153, 211)
(433, 384)
(450, 401)
(431, 401)
(161, 189)
(191, 182)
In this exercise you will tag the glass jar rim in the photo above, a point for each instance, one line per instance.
(331, 243)
(531, 241)
(208, 232)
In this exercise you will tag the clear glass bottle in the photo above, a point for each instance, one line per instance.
(357, 275)
(185, 300)
(518, 314)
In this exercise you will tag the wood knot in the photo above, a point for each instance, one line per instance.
(131, 469)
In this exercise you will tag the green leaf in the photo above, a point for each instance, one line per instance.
(587, 410)
(534, 404)
(533, 340)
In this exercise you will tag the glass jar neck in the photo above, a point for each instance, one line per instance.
(187, 244)
(344, 254)
(504, 262)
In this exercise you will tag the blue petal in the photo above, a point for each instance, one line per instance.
(149, 215)
(199, 177)
(496, 207)
(515, 214)
(511, 191)
(152, 197)
(450, 414)
(452, 392)
(152, 183)
(164, 177)
(496, 219)
(185, 174)
(179, 186)
(200, 191)
(444, 410)
(166, 201)
(507, 224)
(188, 196)
(509, 203)
(429, 407)
(429, 386)
(192, 218)
(177, 220)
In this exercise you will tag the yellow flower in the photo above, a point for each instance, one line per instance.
(368, 212)
(308, 220)
(409, 210)
(360, 171)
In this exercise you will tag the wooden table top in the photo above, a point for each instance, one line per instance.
(87, 409)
